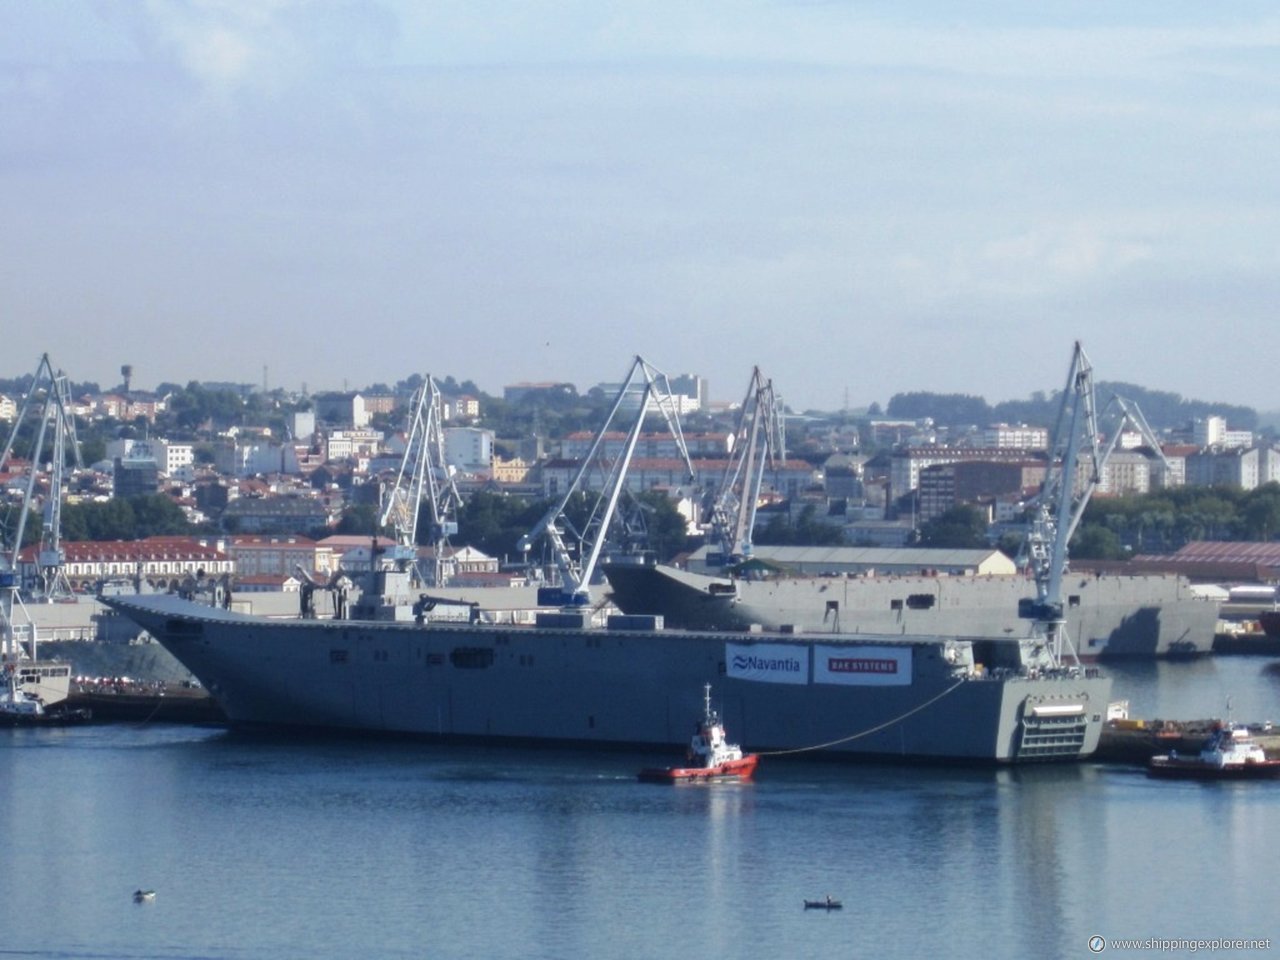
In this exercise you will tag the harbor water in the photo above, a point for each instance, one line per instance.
(274, 846)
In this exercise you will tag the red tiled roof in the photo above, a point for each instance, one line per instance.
(1243, 552)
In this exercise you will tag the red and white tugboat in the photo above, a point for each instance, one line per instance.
(1230, 754)
(710, 757)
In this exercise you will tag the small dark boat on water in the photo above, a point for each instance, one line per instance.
(711, 758)
(827, 904)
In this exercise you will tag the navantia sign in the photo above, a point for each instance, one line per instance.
(862, 666)
(767, 662)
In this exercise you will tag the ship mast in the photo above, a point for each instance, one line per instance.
(645, 386)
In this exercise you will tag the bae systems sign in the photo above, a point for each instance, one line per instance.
(767, 662)
(862, 666)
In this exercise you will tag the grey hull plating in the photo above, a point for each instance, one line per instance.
(626, 686)
(1107, 616)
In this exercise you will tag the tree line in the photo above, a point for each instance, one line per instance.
(1116, 528)
(1161, 522)
(1162, 409)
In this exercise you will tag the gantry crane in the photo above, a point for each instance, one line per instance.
(644, 387)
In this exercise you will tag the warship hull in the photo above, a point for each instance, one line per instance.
(636, 684)
(1107, 616)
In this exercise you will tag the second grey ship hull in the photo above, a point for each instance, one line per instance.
(917, 697)
(1107, 616)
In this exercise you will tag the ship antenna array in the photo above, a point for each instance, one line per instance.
(645, 388)
(759, 438)
(424, 476)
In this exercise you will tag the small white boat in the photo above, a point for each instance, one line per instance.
(143, 896)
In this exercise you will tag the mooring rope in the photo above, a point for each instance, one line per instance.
(151, 716)
(864, 733)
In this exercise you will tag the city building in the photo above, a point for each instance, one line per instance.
(163, 563)
(788, 479)
(354, 443)
(175, 460)
(341, 409)
(254, 457)
(688, 395)
(279, 556)
(577, 445)
(137, 473)
(276, 514)
(946, 485)
(1002, 436)
(302, 425)
(1223, 466)
(462, 407)
(469, 449)
(1212, 431)
(906, 464)
(384, 403)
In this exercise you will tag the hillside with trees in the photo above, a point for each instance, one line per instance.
(1114, 528)
(1162, 409)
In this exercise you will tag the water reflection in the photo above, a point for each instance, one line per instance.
(1196, 689)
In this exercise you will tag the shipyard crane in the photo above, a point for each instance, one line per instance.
(56, 408)
(423, 477)
(1131, 414)
(49, 391)
(1076, 469)
(644, 388)
(758, 438)
(1062, 500)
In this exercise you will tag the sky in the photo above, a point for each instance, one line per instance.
(859, 198)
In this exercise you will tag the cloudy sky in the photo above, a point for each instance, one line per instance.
(858, 199)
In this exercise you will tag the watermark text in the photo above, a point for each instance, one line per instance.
(1099, 944)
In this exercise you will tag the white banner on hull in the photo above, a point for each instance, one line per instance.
(767, 662)
(862, 666)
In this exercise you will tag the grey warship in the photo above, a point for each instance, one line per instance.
(731, 584)
(632, 683)
(382, 665)
(1107, 617)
